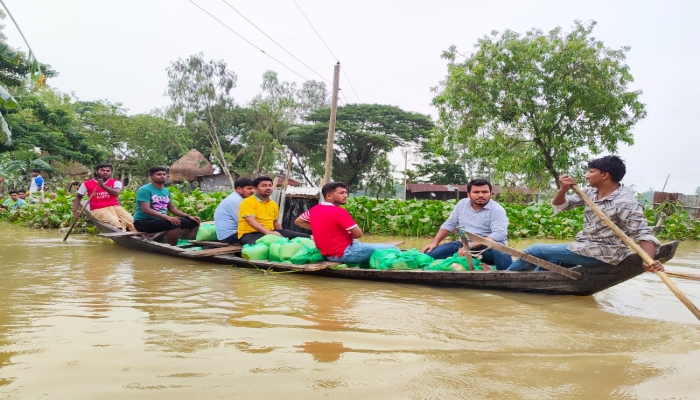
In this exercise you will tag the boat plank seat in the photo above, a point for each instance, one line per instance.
(122, 233)
(211, 252)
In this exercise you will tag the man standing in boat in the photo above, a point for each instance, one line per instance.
(335, 232)
(153, 202)
(258, 215)
(226, 214)
(104, 204)
(597, 243)
(477, 214)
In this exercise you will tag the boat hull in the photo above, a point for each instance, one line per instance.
(593, 279)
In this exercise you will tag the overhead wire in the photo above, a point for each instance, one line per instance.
(248, 41)
(329, 49)
(275, 42)
(18, 28)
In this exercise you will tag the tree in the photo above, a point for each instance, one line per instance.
(379, 180)
(133, 143)
(364, 132)
(15, 67)
(439, 173)
(697, 191)
(46, 120)
(201, 97)
(537, 104)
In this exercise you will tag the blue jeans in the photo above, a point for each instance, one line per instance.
(490, 256)
(554, 253)
(359, 252)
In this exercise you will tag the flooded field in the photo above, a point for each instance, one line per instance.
(88, 319)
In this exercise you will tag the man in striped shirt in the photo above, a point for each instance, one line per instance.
(597, 243)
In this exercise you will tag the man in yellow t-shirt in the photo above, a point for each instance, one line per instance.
(258, 215)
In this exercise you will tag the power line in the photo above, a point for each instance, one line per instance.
(343, 94)
(275, 42)
(312, 27)
(246, 40)
(351, 85)
(329, 49)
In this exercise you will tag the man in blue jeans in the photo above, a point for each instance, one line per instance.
(476, 214)
(598, 244)
(334, 231)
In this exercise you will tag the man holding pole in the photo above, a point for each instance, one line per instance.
(104, 203)
(597, 243)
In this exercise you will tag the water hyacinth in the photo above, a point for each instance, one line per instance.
(413, 218)
(424, 217)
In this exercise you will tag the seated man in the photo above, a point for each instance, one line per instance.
(22, 194)
(476, 214)
(153, 202)
(14, 202)
(597, 243)
(104, 203)
(226, 214)
(258, 215)
(335, 232)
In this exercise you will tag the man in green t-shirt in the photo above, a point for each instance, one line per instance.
(153, 202)
(14, 202)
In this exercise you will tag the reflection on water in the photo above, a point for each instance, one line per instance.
(88, 319)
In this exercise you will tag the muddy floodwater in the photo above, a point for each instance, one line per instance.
(90, 320)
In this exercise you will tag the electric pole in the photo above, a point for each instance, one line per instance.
(331, 125)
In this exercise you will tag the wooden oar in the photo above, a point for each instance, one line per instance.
(631, 243)
(525, 257)
(470, 261)
(77, 217)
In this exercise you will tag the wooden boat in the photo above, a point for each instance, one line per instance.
(593, 279)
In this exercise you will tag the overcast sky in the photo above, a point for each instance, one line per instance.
(390, 50)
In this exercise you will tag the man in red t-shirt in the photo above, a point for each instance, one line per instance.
(334, 231)
(104, 204)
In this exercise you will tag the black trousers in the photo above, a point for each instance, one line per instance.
(152, 225)
(250, 238)
(233, 239)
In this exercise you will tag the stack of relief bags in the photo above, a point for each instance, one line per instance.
(280, 249)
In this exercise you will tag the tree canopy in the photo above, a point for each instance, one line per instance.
(531, 106)
(364, 132)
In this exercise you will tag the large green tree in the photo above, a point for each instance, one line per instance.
(201, 95)
(132, 143)
(537, 104)
(364, 132)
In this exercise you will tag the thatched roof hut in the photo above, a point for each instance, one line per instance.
(189, 167)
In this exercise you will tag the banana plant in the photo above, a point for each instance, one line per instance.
(7, 101)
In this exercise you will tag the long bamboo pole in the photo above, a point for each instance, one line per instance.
(77, 217)
(631, 243)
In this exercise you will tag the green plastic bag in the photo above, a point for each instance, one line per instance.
(255, 252)
(454, 263)
(383, 256)
(306, 255)
(422, 259)
(393, 259)
(275, 247)
(288, 250)
(304, 241)
(207, 232)
(268, 239)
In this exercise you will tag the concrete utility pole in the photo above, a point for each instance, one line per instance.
(331, 125)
